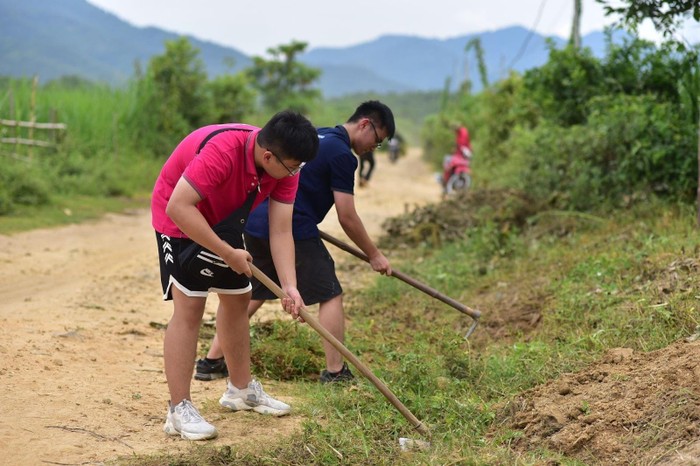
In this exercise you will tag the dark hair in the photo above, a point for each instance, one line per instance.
(378, 113)
(291, 136)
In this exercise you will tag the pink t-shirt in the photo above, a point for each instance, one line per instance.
(462, 138)
(223, 173)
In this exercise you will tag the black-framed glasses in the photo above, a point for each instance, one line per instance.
(377, 139)
(291, 171)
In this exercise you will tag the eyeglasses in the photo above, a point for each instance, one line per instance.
(291, 171)
(377, 139)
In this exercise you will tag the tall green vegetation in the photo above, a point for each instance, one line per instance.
(94, 156)
(283, 81)
(171, 97)
(175, 96)
(475, 44)
(580, 132)
(117, 139)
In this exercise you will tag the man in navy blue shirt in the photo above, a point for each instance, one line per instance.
(325, 181)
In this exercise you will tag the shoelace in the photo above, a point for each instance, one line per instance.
(257, 388)
(189, 413)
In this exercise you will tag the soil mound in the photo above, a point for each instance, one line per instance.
(629, 408)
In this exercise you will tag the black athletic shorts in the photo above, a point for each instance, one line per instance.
(316, 279)
(196, 276)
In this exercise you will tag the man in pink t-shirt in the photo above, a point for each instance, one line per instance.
(200, 203)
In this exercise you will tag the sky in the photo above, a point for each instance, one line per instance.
(254, 26)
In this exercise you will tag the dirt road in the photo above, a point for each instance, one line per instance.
(81, 363)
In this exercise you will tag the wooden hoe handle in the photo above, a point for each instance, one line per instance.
(272, 286)
(473, 313)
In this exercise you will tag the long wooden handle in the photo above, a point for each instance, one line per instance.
(272, 286)
(473, 313)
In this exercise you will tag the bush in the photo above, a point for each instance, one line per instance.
(630, 145)
(22, 184)
(643, 145)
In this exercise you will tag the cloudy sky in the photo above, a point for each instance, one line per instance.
(254, 26)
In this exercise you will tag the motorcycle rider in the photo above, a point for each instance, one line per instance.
(459, 160)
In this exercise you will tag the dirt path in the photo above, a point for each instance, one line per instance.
(81, 364)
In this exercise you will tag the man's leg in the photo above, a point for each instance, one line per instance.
(215, 351)
(332, 318)
(254, 305)
(232, 332)
(180, 344)
(243, 392)
(370, 169)
(179, 349)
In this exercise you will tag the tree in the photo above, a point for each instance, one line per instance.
(475, 43)
(667, 16)
(172, 98)
(283, 81)
(233, 98)
(179, 78)
(575, 39)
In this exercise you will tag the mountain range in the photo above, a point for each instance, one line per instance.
(52, 38)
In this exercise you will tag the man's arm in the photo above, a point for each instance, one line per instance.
(283, 255)
(355, 229)
(182, 209)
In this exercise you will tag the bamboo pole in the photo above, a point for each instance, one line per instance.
(32, 113)
(14, 118)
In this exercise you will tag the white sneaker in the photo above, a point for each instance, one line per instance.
(253, 397)
(184, 420)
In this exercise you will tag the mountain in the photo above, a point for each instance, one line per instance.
(409, 63)
(416, 63)
(73, 37)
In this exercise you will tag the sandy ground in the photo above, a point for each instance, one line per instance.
(81, 366)
(82, 373)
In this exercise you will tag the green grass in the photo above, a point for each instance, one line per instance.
(627, 279)
(622, 279)
(65, 210)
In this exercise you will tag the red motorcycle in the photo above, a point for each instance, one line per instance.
(456, 173)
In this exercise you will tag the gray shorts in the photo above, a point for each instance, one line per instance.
(316, 279)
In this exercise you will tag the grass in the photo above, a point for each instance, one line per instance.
(594, 282)
(65, 210)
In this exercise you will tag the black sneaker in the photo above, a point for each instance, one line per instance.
(211, 369)
(343, 375)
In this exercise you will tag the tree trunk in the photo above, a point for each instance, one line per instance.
(575, 39)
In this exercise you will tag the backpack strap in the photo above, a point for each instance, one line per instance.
(215, 132)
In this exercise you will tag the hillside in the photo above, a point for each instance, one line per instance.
(73, 37)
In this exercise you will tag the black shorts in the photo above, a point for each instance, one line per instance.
(209, 273)
(316, 279)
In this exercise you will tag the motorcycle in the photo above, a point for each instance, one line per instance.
(456, 173)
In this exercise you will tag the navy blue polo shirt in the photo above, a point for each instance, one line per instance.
(333, 169)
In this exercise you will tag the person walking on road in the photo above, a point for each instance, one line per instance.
(366, 167)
